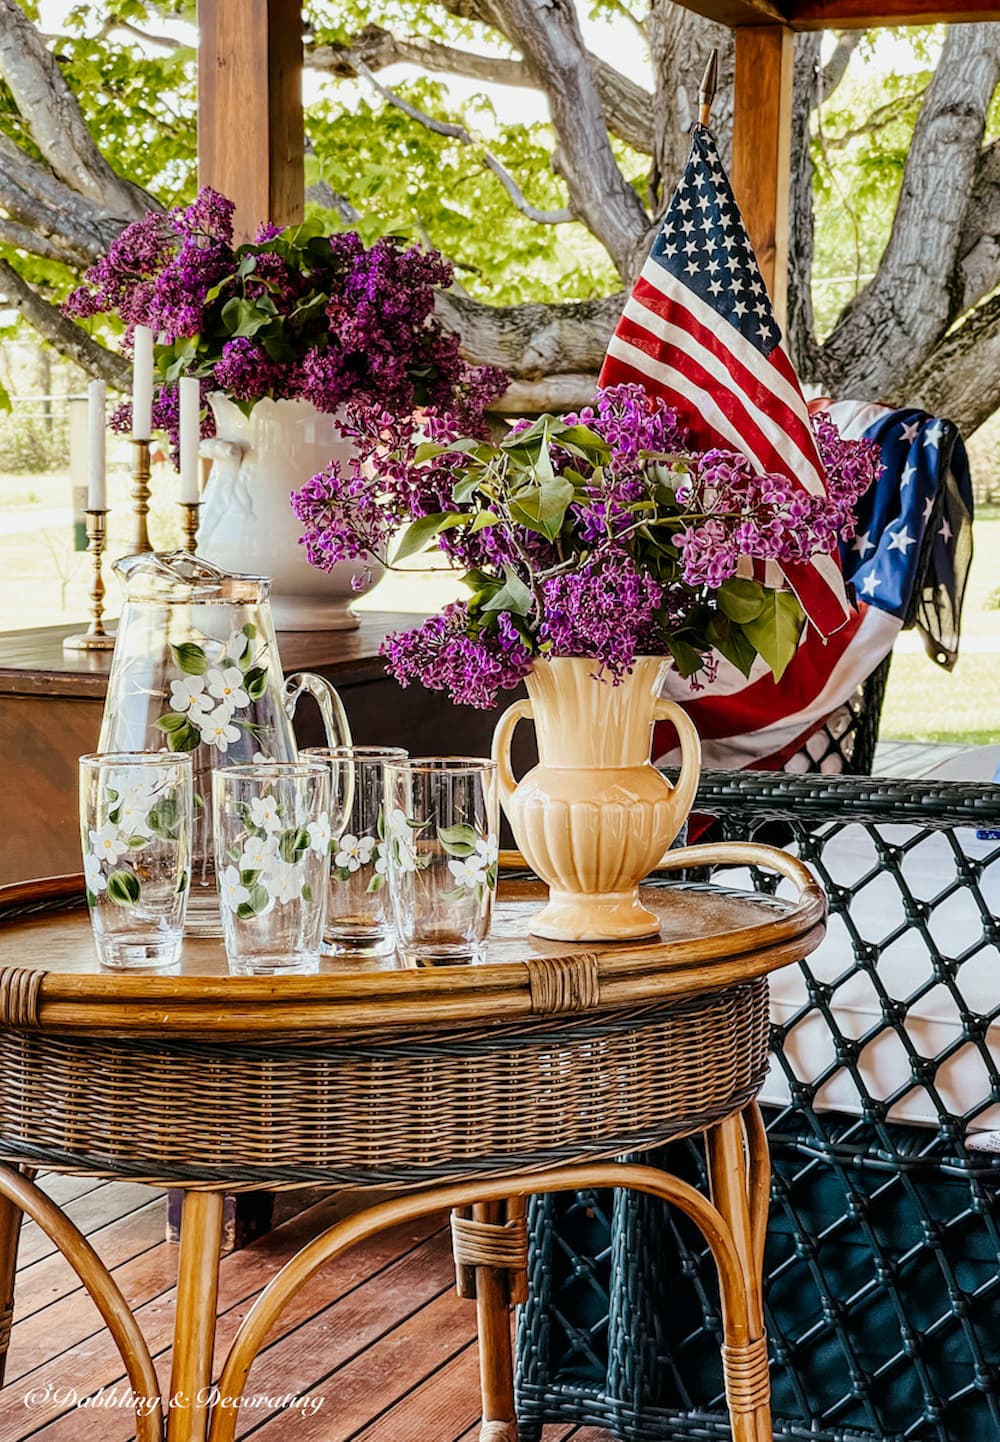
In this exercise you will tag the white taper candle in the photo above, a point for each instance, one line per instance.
(190, 439)
(97, 492)
(142, 383)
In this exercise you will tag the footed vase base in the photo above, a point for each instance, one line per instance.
(594, 916)
(312, 613)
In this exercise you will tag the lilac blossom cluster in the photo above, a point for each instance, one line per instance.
(444, 655)
(598, 534)
(744, 515)
(294, 315)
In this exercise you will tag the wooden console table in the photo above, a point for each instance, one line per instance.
(51, 705)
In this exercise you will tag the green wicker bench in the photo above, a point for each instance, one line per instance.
(883, 1260)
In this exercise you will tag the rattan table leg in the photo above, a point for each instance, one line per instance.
(496, 1366)
(737, 1180)
(98, 1281)
(10, 1234)
(194, 1327)
(377, 1218)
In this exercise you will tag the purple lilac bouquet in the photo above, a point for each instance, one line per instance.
(598, 535)
(295, 314)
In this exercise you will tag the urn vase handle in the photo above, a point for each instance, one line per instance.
(331, 708)
(686, 785)
(500, 751)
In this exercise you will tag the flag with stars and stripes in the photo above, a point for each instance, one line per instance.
(907, 563)
(698, 330)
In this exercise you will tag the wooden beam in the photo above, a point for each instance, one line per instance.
(841, 14)
(762, 115)
(251, 138)
(741, 12)
(865, 14)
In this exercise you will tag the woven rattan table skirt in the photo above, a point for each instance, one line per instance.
(506, 1098)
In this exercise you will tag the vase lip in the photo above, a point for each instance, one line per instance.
(297, 403)
(541, 661)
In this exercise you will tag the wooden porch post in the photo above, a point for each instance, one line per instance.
(251, 140)
(762, 156)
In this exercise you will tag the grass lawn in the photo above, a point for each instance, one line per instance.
(924, 703)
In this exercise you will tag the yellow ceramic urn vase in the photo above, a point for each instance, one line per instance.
(595, 816)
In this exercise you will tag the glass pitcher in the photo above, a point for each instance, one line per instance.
(196, 668)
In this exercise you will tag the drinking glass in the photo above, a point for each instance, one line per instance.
(271, 822)
(358, 920)
(135, 826)
(442, 844)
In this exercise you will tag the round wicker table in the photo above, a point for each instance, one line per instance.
(461, 1087)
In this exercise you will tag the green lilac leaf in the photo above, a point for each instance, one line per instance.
(741, 600)
(543, 508)
(377, 882)
(686, 658)
(513, 596)
(774, 634)
(91, 898)
(421, 532)
(182, 883)
(307, 891)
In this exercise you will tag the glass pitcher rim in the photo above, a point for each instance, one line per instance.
(157, 563)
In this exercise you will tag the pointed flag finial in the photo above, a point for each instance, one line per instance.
(708, 87)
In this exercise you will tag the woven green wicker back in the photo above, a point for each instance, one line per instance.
(883, 1258)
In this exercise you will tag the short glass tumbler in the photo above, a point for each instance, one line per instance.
(358, 919)
(271, 823)
(442, 845)
(135, 826)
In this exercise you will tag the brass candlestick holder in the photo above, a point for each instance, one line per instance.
(95, 638)
(140, 495)
(190, 512)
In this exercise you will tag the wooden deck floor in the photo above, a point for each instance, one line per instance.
(378, 1348)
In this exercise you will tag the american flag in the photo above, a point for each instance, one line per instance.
(698, 330)
(908, 563)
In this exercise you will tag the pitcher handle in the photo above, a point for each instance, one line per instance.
(690, 773)
(500, 750)
(331, 708)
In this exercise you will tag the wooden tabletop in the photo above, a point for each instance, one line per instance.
(34, 662)
(709, 937)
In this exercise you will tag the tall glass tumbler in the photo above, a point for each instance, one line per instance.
(135, 826)
(272, 830)
(358, 916)
(442, 843)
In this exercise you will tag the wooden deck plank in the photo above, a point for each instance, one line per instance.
(88, 1212)
(44, 1283)
(381, 1331)
(380, 1334)
(396, 1363)
(92, 1362)
(441, 1409)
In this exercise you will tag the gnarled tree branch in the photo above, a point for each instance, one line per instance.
(459, 133)
(627, 106)
(960, 379)
(67, 338)
(51, 113)
(898, 319)
(549, 32)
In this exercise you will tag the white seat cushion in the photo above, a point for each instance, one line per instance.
(933, 1020)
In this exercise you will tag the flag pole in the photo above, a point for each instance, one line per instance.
(708, 87)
